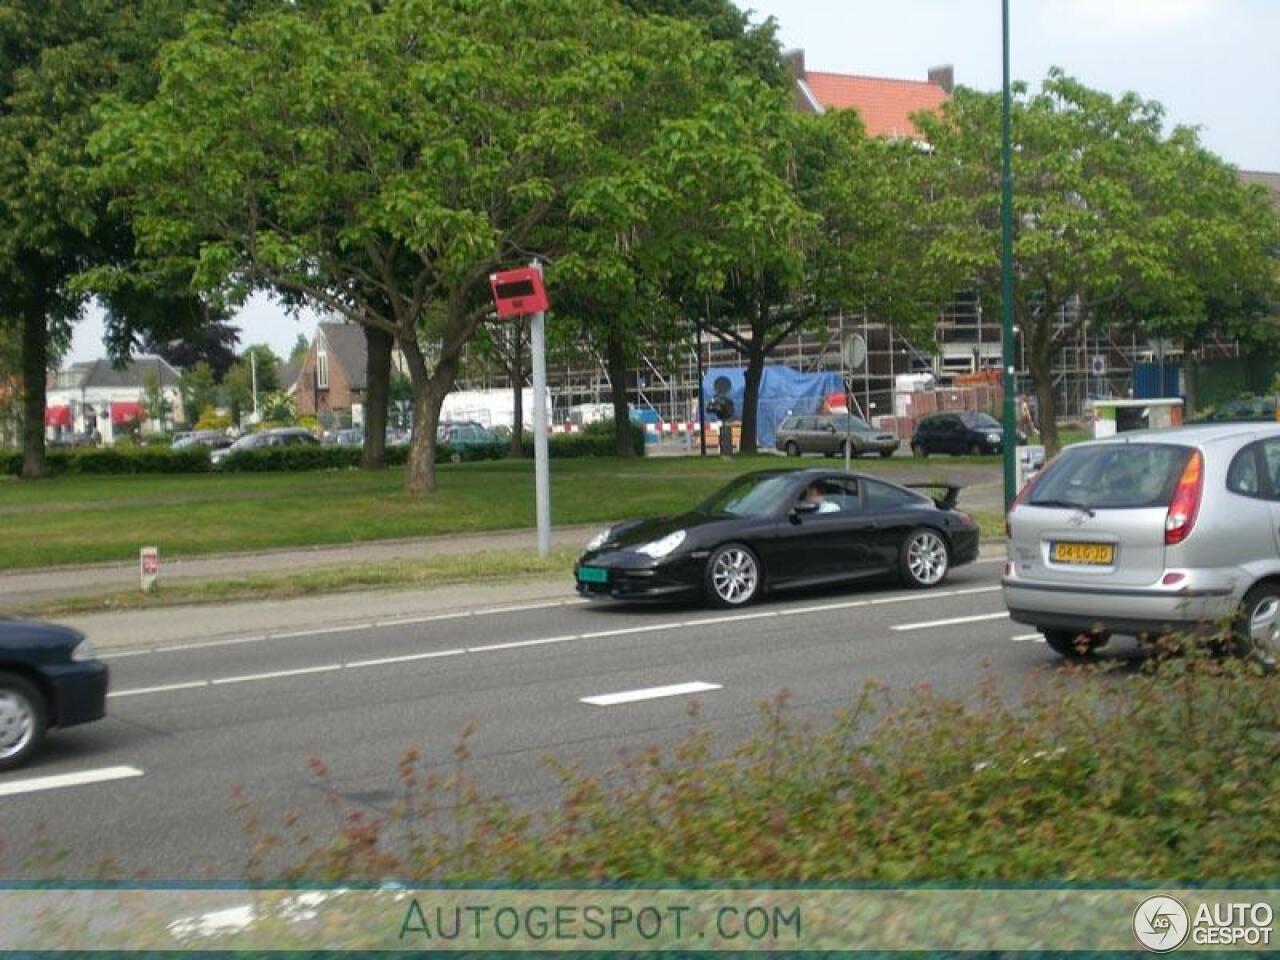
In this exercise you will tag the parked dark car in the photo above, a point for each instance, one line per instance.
(1244, 410)
(279, 437)
(48, 678)
(964, 431)
(827, 434)
(465, 433)
(780, 529)
(213, 439)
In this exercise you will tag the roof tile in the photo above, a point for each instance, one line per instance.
(884, 105)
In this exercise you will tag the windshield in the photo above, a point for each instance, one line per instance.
(1119, 476)
(758, 495)
(981, 421)
(855, 423)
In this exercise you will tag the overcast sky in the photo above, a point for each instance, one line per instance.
(1214, 64)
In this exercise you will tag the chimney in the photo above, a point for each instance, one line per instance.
(793, 60)
(944, 77)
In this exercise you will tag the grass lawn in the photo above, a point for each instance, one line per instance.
(89, 519)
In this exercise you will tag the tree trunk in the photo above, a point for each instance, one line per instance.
(378, 344)
(35, 367)
(517, 393)
(617, 359)
(1041, 364)
(751, 397)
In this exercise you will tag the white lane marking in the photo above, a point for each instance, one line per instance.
(408, 658)
(163, 688)
(57, 781)
(236, 641)
(276, 674)
(625, 631)
(650, 693)
(520, 608)
(731, 618)
(952, 621)
(321, 631)
(1033, 637)
(972, 590)
(517, 644)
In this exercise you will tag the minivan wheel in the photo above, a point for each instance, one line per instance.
(975, 449)
(925, 559)
(1075, 646)
(793, 449)
(917, 450)
(886, 454)
(23, 716)
(1258, 633)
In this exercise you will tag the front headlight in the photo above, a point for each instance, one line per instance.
(599, 540)
(661, 548)
(993, 438)
(82, 650)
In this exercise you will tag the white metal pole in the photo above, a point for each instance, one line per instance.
(253, 367)
(542, 480)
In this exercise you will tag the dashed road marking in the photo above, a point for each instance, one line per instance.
(61, 780)
(650, 693)
(951, 621)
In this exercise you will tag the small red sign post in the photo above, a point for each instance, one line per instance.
(518, 293)
(149, 567)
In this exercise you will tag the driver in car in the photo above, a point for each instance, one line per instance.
(813, 494)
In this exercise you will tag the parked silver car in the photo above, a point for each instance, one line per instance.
(827, 433)
(1149, 533)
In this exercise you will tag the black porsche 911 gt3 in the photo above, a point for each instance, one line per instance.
(778, 529)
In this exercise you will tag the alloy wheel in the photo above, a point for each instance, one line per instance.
(17, 723)
(734, 576)
(927, 558)
(1264, 630)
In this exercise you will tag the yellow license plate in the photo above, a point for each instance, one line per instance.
(1085, 554)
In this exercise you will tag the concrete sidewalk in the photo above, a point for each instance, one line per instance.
(30, 586)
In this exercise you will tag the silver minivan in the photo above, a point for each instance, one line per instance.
(1151, 533)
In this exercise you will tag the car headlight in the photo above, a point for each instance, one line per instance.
(993, 438)
(661, 548)
(599, 540)
(82, 650)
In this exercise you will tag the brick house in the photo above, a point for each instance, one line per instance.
(331, 382)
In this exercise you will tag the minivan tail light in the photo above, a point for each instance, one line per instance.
(1185, 504)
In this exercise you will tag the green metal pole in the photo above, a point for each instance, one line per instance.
(1006, 274)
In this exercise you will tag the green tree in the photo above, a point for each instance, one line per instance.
(154, 400)
(301, 347)
(1111, 217)
(380, 163)
(199, 392)
(57, 59)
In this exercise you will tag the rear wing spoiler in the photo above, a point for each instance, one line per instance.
(946, 498)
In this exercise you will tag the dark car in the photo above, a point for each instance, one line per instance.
(964, 431)
(48, 678)
(212, 439)
(279, 437)
(1244, 410)
(780, 529)
(827, 434)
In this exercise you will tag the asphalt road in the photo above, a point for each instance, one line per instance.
(151, 786)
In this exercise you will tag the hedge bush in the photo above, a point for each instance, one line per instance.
(294, 459)
(1169, 774)
(118, 460)
(595, 440)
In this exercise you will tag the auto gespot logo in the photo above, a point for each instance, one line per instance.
(1161, 924)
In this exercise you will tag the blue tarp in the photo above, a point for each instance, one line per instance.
(783, 391)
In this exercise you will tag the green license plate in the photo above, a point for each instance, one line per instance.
(593, 575)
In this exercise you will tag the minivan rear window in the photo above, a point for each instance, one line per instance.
(1112, 477)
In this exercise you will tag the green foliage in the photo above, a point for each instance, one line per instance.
(1165, 774)
(212, 420)
(596, 440)
(154, 401)
(199, 393)
(295, 459)
(123, 459)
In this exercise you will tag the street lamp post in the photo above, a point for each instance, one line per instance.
(1006, 270)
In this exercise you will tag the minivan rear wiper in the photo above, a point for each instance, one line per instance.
(1069, 504)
